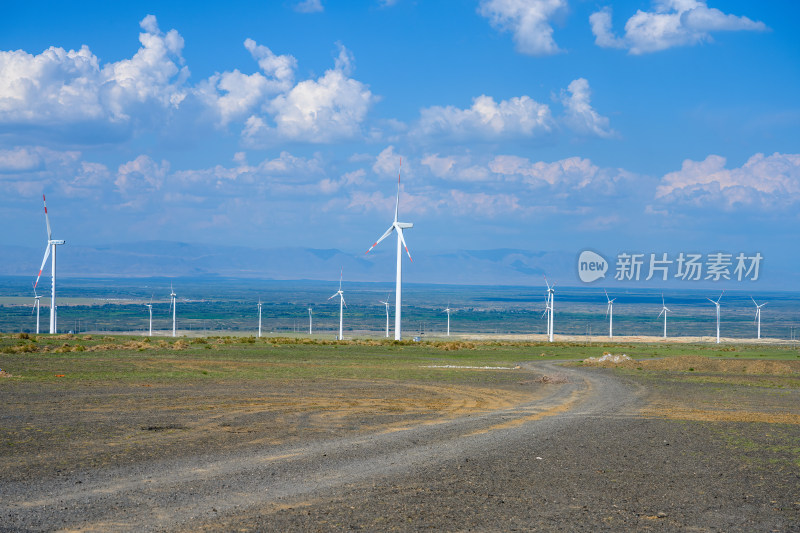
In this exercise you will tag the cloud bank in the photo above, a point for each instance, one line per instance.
(671, 23)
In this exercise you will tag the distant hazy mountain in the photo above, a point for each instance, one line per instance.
(159, 258)
(460, 267)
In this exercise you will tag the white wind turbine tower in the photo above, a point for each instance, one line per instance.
(664, 312)
(259, 318)
(716, 303)
(610, 315)
(448, 318)
(549, 308)
(51, 245)
(758, 315)
(386, 303)
(172, 296)
(36, 298)
(150, 308)
(342, 305)
(309, 321)
(398, 227)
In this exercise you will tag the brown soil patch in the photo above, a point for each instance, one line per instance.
(698, 363)
(105, 424)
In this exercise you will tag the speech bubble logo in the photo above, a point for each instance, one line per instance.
(591, 266)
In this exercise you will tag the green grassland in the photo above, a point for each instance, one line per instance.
(78, 358)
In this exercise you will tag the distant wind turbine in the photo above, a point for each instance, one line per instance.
(758, 315)
(716, 303)
(36, 298)
(610, 314)
(664, 312)
(448, 318)
(386, 303)
(259, 318)
(342, 305)
(150, 308)
(401, 242)
(51, 246)
(172, 296)
(549, 308)
(309, 321)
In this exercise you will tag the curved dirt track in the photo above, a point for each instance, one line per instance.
(581, 458)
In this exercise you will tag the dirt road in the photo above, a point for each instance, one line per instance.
(578, 456)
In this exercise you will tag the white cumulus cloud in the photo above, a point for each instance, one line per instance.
(28, 170)
(141, 175)
(63, 88)
(486, 119)
(517, 117)
(234, 95)
(579, 114)
(763, 181)
(671, 23)
(327, 109)
(527, 20)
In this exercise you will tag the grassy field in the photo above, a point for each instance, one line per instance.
(114, 400)
(75, 358)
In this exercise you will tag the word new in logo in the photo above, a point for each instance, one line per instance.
(591, 266)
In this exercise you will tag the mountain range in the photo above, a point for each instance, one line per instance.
(502, 266)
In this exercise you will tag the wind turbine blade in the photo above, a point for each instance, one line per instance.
(720, 296)
(334, 295)
(341, 275)
(400, 234)
(397, 200)
(343, 302)
(46, 255)
(388, 232)
(661, 313)
(47, 219)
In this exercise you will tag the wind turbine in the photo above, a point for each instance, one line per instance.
(610, 314)
(342, 305)
(664, 312)
(36, 298)
(150, 308)
(549, 308)
(398, 227)
(717, 304)
(51, 245)
(259, 318)
(448, 318)
(309, 321)
(172, 296)
(758, 315)
(386, 303)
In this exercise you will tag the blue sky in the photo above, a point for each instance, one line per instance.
(543, 124)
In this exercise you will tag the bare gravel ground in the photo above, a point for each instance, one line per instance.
(598, 451)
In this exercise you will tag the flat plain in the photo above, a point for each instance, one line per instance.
(238, 433)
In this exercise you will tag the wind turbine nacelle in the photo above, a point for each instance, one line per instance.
(405, 225)
(57, 242)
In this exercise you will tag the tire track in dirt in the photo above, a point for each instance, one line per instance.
(173, 494)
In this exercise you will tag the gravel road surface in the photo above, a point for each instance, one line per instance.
(582, 458)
